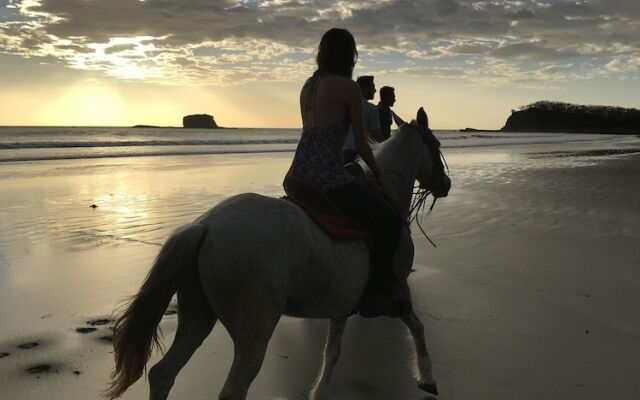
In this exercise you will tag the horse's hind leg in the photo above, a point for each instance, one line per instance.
(426, 381)
(250, 327)
(320, 390)
(195, 321)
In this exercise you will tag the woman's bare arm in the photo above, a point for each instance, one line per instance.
(399, 121)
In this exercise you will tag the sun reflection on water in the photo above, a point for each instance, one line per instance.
(124, 205)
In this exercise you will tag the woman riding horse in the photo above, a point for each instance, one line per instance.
(225, 267)
(329, 101)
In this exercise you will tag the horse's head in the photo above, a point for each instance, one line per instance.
(431, 170)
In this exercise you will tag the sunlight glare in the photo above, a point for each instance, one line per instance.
(85, 105)
(121, 57)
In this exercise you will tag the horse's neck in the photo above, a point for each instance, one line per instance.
(397, 162)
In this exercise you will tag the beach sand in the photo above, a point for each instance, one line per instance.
(531, 293)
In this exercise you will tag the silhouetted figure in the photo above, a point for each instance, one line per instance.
(370, 119)
(387, 100)
(329, 102)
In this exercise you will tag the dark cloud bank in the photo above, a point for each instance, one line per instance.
(225, 41)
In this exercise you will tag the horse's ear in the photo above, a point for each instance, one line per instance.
(422, 119)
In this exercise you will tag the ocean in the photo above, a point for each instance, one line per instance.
(59, 143)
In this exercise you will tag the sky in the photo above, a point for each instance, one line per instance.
(469, 63)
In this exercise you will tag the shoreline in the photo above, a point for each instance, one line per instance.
(107, 144)
(182, 127)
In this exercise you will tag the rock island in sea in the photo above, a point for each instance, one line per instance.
(204, 121)
(194, 121)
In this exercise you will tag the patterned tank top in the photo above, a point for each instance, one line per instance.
(318, 157)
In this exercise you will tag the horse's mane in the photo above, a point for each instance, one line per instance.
(383, 151)
(389, 147)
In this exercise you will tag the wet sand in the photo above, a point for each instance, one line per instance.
(530, 294)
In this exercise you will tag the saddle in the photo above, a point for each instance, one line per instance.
(339, 225)
(322, 210)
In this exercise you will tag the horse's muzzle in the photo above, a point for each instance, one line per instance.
(441, 187)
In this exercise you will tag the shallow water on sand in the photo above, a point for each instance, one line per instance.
(64, 264)
(51, 232)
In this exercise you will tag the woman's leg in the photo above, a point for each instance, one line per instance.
(375, 214)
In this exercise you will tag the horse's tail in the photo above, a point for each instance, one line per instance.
(136, 328)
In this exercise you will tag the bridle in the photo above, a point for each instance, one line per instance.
(420, 193)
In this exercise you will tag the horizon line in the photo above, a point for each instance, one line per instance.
(144, 126)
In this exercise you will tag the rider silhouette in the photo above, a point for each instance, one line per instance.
(329, 102)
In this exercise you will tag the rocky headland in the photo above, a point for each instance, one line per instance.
(551, 116)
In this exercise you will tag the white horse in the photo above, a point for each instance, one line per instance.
(225, 266)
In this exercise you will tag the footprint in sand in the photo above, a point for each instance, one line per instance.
(38, 369)
(27, 346)
(43, 368)
(99, 324)
(99, 321)
(86, 329)
(93, 323)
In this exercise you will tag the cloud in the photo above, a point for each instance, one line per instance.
(468, 47)
(532, 51)
(624, 64)
(234, 41)
(495, 73)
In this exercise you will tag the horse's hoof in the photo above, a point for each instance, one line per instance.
(430, 388)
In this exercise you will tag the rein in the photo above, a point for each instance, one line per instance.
(418, 203)
(419, 195)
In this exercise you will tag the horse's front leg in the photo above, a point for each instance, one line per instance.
(426, 381)
(331, 354)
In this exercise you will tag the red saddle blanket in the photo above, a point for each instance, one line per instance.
(322, 210)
